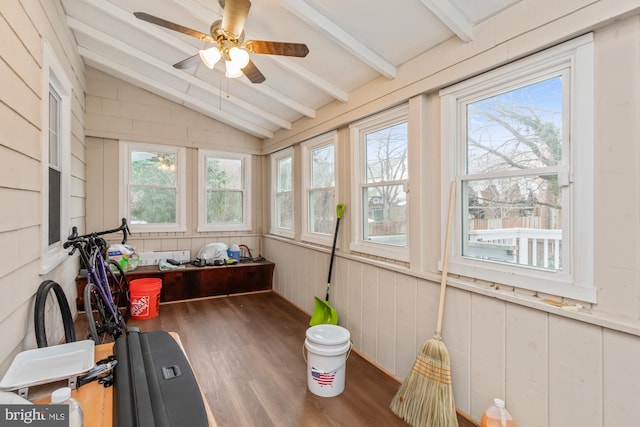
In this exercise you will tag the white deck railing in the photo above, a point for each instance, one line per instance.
(526, 246)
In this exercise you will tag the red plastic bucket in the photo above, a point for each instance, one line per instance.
(145, 298)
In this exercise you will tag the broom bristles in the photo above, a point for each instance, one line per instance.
(425, 398)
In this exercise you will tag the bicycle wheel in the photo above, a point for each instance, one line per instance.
(45, 306)
(119, 286)
(102, 325)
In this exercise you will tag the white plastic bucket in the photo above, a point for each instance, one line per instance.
(327, 352)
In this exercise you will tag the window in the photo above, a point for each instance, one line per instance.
(153, 187)
(520, 142)
(381, 159)
(56, 152)
(282, 187)
(55, 165)
(319, 177)
(224, 183)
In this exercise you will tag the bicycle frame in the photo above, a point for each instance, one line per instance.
(98, 276)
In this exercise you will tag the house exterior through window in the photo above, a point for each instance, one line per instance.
(525, 172)
(380, 150)
(282, 193)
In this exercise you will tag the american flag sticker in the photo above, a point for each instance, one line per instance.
(323, 378)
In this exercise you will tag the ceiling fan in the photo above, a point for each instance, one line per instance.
(227, 35)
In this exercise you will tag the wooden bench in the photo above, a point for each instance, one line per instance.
(198, 282)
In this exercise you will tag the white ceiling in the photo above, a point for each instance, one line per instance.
(351, 43)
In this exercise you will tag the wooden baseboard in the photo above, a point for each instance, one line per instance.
(465, 420)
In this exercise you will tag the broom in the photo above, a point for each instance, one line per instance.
(425, 399)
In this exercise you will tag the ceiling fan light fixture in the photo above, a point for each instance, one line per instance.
(232, 70)
(239, 57)
(210, 56)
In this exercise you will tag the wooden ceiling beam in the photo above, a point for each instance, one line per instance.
(449, 14)
(317, 20)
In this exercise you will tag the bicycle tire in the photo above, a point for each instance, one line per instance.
(119, 286)
(100, 322)
(39, 312)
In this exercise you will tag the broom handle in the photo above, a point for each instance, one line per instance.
(445, 257)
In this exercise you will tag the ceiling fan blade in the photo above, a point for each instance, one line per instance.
(252, 73)
(173, 26)
(277, 48)
(234, 16)
(188, 62)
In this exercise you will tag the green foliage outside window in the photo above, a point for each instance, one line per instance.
(152, 191)
(224, 191)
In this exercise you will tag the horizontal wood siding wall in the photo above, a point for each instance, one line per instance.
(24, 26)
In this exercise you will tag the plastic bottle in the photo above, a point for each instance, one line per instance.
(63, 396)
(497, 416)
(234, 252)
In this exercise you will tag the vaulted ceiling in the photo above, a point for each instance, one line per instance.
(351, 43)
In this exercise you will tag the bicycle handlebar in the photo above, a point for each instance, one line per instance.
(74, 238)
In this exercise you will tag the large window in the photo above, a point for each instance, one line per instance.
(520, 142)
(56, 154)
(319, 178)
(153, 187)
(282, 189)
(381, 159)
(224, 183)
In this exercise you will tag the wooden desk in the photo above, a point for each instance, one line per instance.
(97, 400)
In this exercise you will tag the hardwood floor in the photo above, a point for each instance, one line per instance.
(246, 352)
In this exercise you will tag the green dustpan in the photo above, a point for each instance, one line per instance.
(323, 313)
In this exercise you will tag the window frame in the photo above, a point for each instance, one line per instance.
(308, 148)
(576, 174)
(245, 159)
(358, 131)
(55, 78)
(125, 148)
(275, 161)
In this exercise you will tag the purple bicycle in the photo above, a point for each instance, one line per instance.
(106, 294)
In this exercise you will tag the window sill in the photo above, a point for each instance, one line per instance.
(230, 228)
(527, 279)
(389, 252)
(51, 260)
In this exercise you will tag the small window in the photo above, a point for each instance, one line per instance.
(381, 157)
(56, 152)
(153, 192)
(319, 177)
(55, 166)
(224, 182)
(519, 140)
(282, 185)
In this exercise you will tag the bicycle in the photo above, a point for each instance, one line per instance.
(107, 287)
